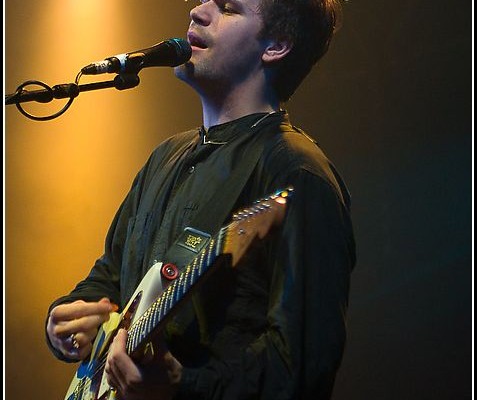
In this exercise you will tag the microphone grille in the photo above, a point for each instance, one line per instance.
(168, 53)
(183, 51)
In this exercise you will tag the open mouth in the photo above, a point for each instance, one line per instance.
(196, 41)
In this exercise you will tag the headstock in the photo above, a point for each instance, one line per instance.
(255, 221)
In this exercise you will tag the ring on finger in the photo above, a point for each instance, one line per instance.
(74, 341)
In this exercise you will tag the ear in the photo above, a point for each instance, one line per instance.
(275, 51)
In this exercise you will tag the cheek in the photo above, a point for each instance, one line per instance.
(238, 34)
(240, 43)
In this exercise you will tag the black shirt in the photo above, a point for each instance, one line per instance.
(274, 327)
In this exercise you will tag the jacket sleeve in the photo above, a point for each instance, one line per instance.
(310, 262)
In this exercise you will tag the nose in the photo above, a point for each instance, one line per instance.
(200, 14)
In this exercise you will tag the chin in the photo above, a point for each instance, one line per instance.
(185, 71)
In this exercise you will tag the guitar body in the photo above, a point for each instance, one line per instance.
(152, 305)
(89, 382)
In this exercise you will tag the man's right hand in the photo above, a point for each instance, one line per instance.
(72, 327)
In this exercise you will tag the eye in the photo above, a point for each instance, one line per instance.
(226, 7)
(223, 5)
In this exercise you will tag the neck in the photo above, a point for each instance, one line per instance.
(225, 106)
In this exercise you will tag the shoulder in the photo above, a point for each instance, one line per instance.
(170, 147)
(293, 148)
(292, 152)
(163, 156)
(174, 143)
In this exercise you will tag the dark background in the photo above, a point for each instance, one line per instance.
(404, 125)
(391, 105)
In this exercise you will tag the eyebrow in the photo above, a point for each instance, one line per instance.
(243, 5)
(233, 2)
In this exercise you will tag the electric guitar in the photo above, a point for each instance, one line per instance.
(152, 305)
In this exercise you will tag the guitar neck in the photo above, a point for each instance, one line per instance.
(158, 313)
(233, 240)
(90, 381)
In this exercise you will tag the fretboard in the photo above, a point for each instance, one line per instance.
(233, 239)
(175, 292)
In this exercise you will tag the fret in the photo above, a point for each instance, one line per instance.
(129, 340)
(136, 337)
(155, 313)
(169, 298)
(201, 264)
(157, 310)
(162, 307)
(188, 273)
(182, 283)
(142, 329)
(220, 237)
(211, 253)
(192, 273)
(174, 293)
(143, 326)
(148, 320)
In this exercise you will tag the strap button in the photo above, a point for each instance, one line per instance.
(169, 271)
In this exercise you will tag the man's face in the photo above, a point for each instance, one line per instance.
(226, 49)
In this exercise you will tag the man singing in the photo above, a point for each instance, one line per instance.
(273, 327)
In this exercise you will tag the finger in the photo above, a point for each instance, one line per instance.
(74, 348)
(84, 324)
(90, 335)
(72, 354)
(111, 378)
(116, 379)
(121, 365)
(114, 306)
(115, 375)
(80, 308)
(85, 351)
(70, 348)
(79, 340)
(79, 354)
(169, 359)
(174, 368)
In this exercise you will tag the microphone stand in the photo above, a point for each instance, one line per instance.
(67, 90)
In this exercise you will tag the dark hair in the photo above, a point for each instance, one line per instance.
(308, 25)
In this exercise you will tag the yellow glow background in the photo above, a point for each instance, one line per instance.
(389, 106)
(65, 178)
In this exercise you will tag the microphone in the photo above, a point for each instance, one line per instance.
(168, 53)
